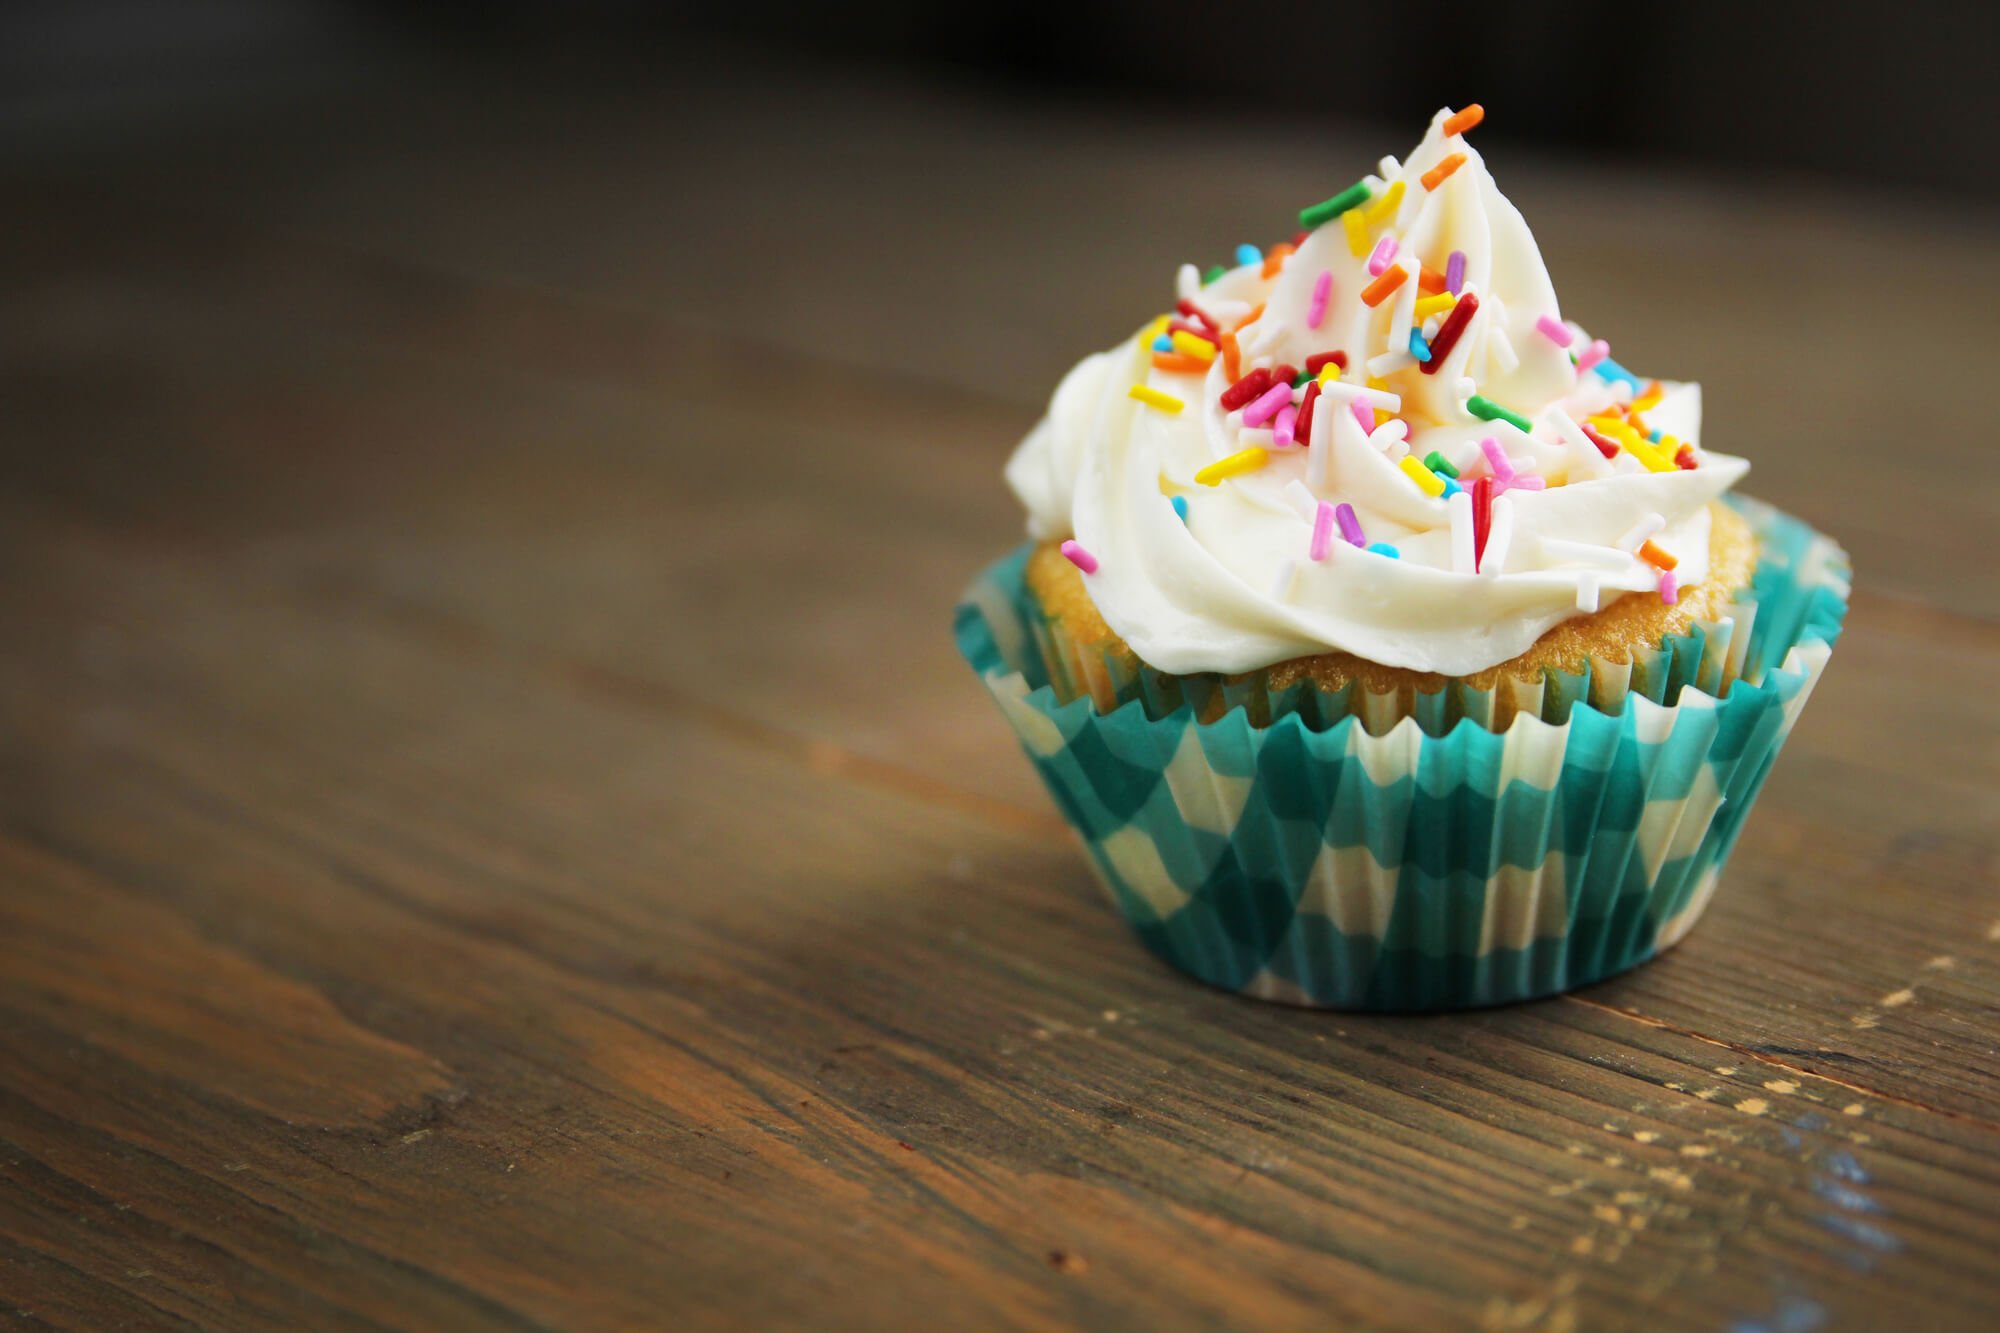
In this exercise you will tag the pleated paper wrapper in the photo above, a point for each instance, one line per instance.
(1353, 852)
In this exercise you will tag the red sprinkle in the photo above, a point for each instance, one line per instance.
(1245, 390)
(1604, 446)
(1283, 374)
(1302, 427)
(1451, 331)
(1318, 360)
(1684, 458)
(1300, 239)
(1482, 518)
(1200, 316)
(1182, 326)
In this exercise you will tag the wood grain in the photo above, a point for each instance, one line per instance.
(438, 891)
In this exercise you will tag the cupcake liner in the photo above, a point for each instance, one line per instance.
(1438, 863)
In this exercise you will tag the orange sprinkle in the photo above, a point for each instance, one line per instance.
(1653, 554)
(1377, 291)
(1435, 176)
(1230, 357)
(1276, 259)
(1256, 313)
(1176, 364)
(1430, 282)
(1638, 422)
(1465, 119)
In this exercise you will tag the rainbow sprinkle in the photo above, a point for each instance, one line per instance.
(1238, 463)
(1322, 538)
(1554, 330)
(1427, 481)
(1322, 292)
(1352, 197)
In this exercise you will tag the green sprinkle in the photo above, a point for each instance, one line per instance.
(1437, 462)
(1488, 410)
(1213, 274)
(1305, 377)
(1352, 197)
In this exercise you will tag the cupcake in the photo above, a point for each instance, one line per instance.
(1388, 644)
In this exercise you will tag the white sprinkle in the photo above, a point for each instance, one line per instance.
(1299, 497)
(1288, 573)
(1391, 437)
(1406, 306)
(1584, 460)
(1226, 311)
(1608, 558)
(1389, 167)
(1499, 536)
(1317, 447)
(1586, 592)
(1257, 437)
(1638, 532)
(1187, 282)
(1389, 363)
(1342, 390)
(1501, 349)
(1459, 510)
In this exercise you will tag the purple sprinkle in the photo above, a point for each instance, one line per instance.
(1454, 272)
(1350, 526)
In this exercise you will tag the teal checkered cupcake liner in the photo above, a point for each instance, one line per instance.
(1432, 863)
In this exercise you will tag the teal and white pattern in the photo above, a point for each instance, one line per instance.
(1428, 867)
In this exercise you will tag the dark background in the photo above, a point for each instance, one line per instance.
(1898, 95)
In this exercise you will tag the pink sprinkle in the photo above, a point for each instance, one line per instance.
(1556, 331)
(1259, 412)
(1593, 354)
(1503, 471)
(1521, 481)
(1454, 272)
(1282, 427)
(1385, 252)
(1670, 587)
(1322, 293)
(1079, 557)
(1363, 414)
(1350, 526)
(1322, 542)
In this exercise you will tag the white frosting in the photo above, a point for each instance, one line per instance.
(1212, 594)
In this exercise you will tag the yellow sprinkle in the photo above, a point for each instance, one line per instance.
(1247, 460)
(1201, 349)
(1435, 305)
(1429, 482)
(1377, 382)
(1329, 373)
(1357, 232)
(1386, 205)
(1155, 329)
(1152, 397)
(1648, 402)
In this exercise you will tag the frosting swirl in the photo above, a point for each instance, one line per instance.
(1518, 521)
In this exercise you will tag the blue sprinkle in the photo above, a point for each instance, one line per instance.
(1163, 343)
(1451, 488)
(1383, 548)
(1249, 254)
(1654, 437)
(1180, 507)
(1418, 347)
(1610, 370)
(1862, 1233)
(1844, 1196)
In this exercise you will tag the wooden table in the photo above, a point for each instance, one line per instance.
(493, 832)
